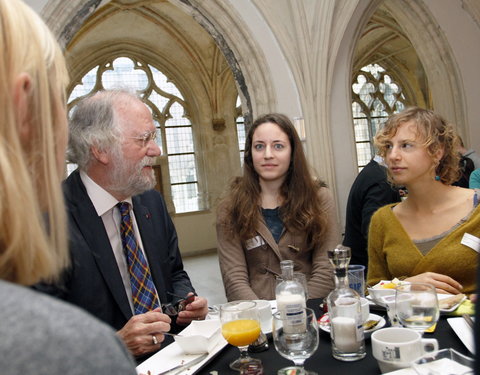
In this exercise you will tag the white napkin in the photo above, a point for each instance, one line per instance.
(172, 355)
(440, 367)
(464, 332)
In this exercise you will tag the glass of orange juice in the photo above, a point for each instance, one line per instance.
(240, 327)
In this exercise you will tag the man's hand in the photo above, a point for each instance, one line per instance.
(138, 333)
(443, 283)
(196, 310)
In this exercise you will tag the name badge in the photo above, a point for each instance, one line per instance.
(471, 241)
(254, 242)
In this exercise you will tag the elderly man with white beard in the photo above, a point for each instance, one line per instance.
(126, 267)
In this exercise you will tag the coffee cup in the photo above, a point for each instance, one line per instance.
(347, 307)
(365, 305)
(265, 315)
(396, 348)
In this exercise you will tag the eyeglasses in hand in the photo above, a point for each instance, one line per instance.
(173, 308)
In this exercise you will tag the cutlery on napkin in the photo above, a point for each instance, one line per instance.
(185, 365)
(468, 320)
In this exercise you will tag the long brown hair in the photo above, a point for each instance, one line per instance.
(301, 210)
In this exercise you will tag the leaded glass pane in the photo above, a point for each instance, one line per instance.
(186, 197)
(241, 131)
(364, 153)
(399, 107)
(357, 110)
(124, 74)
(361, 130)
(84, 88)
(179, 140)
(177, 112)
(378, 109)
(159, 100)
(162, 81)
(241, 135)
(159, 139)
(182, 168)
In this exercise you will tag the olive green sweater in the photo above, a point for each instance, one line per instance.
(391, 252)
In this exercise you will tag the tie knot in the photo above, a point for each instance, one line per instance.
(124, 208)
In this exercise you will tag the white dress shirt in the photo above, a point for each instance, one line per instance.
(106, 206)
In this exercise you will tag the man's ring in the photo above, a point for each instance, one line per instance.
(154, 340)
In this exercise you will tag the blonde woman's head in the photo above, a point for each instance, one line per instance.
(33, 136)
(433, 132)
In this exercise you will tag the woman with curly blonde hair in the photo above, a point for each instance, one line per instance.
(426, 237)
(39, 334)
(275, 211)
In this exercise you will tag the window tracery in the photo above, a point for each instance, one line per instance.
(375, 96)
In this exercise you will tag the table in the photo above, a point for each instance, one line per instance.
(322, 361)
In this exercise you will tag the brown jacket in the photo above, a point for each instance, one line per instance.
(249, 270)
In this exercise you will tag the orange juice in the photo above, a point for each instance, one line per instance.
(241, 332)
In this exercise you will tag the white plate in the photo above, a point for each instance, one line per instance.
(326, 326)
(454, 307)
(172, 355)
(440, 296)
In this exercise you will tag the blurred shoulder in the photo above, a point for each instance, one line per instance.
(55, 330)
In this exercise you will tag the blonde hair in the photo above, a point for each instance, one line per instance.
(33, 244)
(434, 133)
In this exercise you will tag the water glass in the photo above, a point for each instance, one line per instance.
(296, 343)
(416, 305)
(356, 278)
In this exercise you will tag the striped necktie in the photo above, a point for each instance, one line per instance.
(143, 290)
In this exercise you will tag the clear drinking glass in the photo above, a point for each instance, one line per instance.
(416, 305)
(295, 340)
(240, 327)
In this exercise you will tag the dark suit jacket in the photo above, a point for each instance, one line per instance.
(93, 280)
(369, 192)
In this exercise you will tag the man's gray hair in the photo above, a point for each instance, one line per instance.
(95, 122)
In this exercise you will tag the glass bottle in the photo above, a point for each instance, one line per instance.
(344, 310)
(290, 296)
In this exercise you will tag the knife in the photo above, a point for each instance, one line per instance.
(468, 320)
(185, 365)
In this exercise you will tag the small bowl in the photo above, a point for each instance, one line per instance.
(445, 361)
(201, 336)
(378, 295)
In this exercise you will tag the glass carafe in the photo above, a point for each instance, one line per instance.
(290, 296)
(344, 310)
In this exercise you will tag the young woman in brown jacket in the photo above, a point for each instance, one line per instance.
(275, 211)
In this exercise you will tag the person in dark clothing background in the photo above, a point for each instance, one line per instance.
(467, 165)
(369, 191)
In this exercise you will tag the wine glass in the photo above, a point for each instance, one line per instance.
(416, 305)
(295, 339)
(240, 327)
